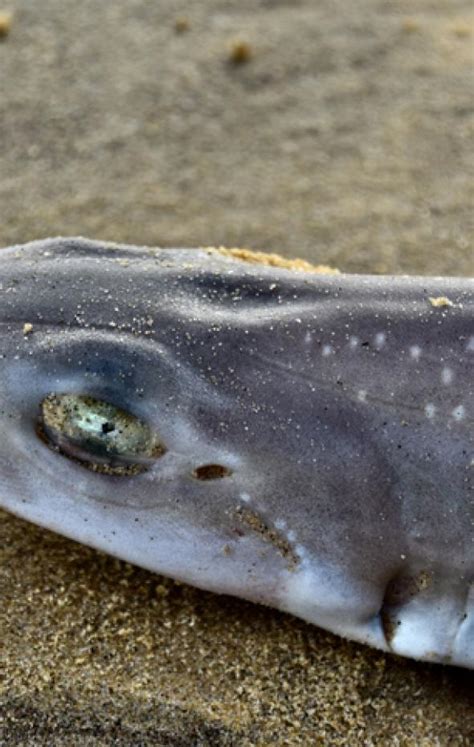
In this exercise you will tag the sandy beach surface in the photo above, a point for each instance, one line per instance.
(334, 131)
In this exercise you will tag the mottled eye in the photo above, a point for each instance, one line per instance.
(100, 436)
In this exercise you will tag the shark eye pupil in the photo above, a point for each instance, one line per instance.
(97, 434)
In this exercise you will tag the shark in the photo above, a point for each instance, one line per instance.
(300, 439)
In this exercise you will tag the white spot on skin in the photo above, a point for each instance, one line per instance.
(380, 340)
(245, 497)
(291, 535)
(362, 395)
(415, 352)
(446, 375)
(353, 342)
(280, 524)
(327, 350)
(470, 344)
(430, 410)
(300, 551)
(458, 412)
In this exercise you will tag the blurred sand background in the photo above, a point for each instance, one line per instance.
(331, 130)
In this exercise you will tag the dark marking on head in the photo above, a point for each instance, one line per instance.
(268, 534)
(211, 472)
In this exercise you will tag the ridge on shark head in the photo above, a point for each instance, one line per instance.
(299, 439)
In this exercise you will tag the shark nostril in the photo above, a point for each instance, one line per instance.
(211, 472)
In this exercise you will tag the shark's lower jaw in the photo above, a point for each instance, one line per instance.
(434, 623)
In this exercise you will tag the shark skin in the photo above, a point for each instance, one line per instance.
(317, 430)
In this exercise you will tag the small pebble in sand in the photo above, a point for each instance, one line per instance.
(240, 52)
(27, 328)
(5, 23)
(463, 30)
(182, 24)
(410, 25)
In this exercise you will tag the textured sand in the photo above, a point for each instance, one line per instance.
(342, 137)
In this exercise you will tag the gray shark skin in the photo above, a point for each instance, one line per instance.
(337, 408)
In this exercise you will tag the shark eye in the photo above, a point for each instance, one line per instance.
(97, 434)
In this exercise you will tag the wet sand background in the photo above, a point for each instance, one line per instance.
(343, 139)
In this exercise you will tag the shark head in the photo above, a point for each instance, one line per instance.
(95, 340)
(237, 427)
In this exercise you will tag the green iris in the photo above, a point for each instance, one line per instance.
(98, 434)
